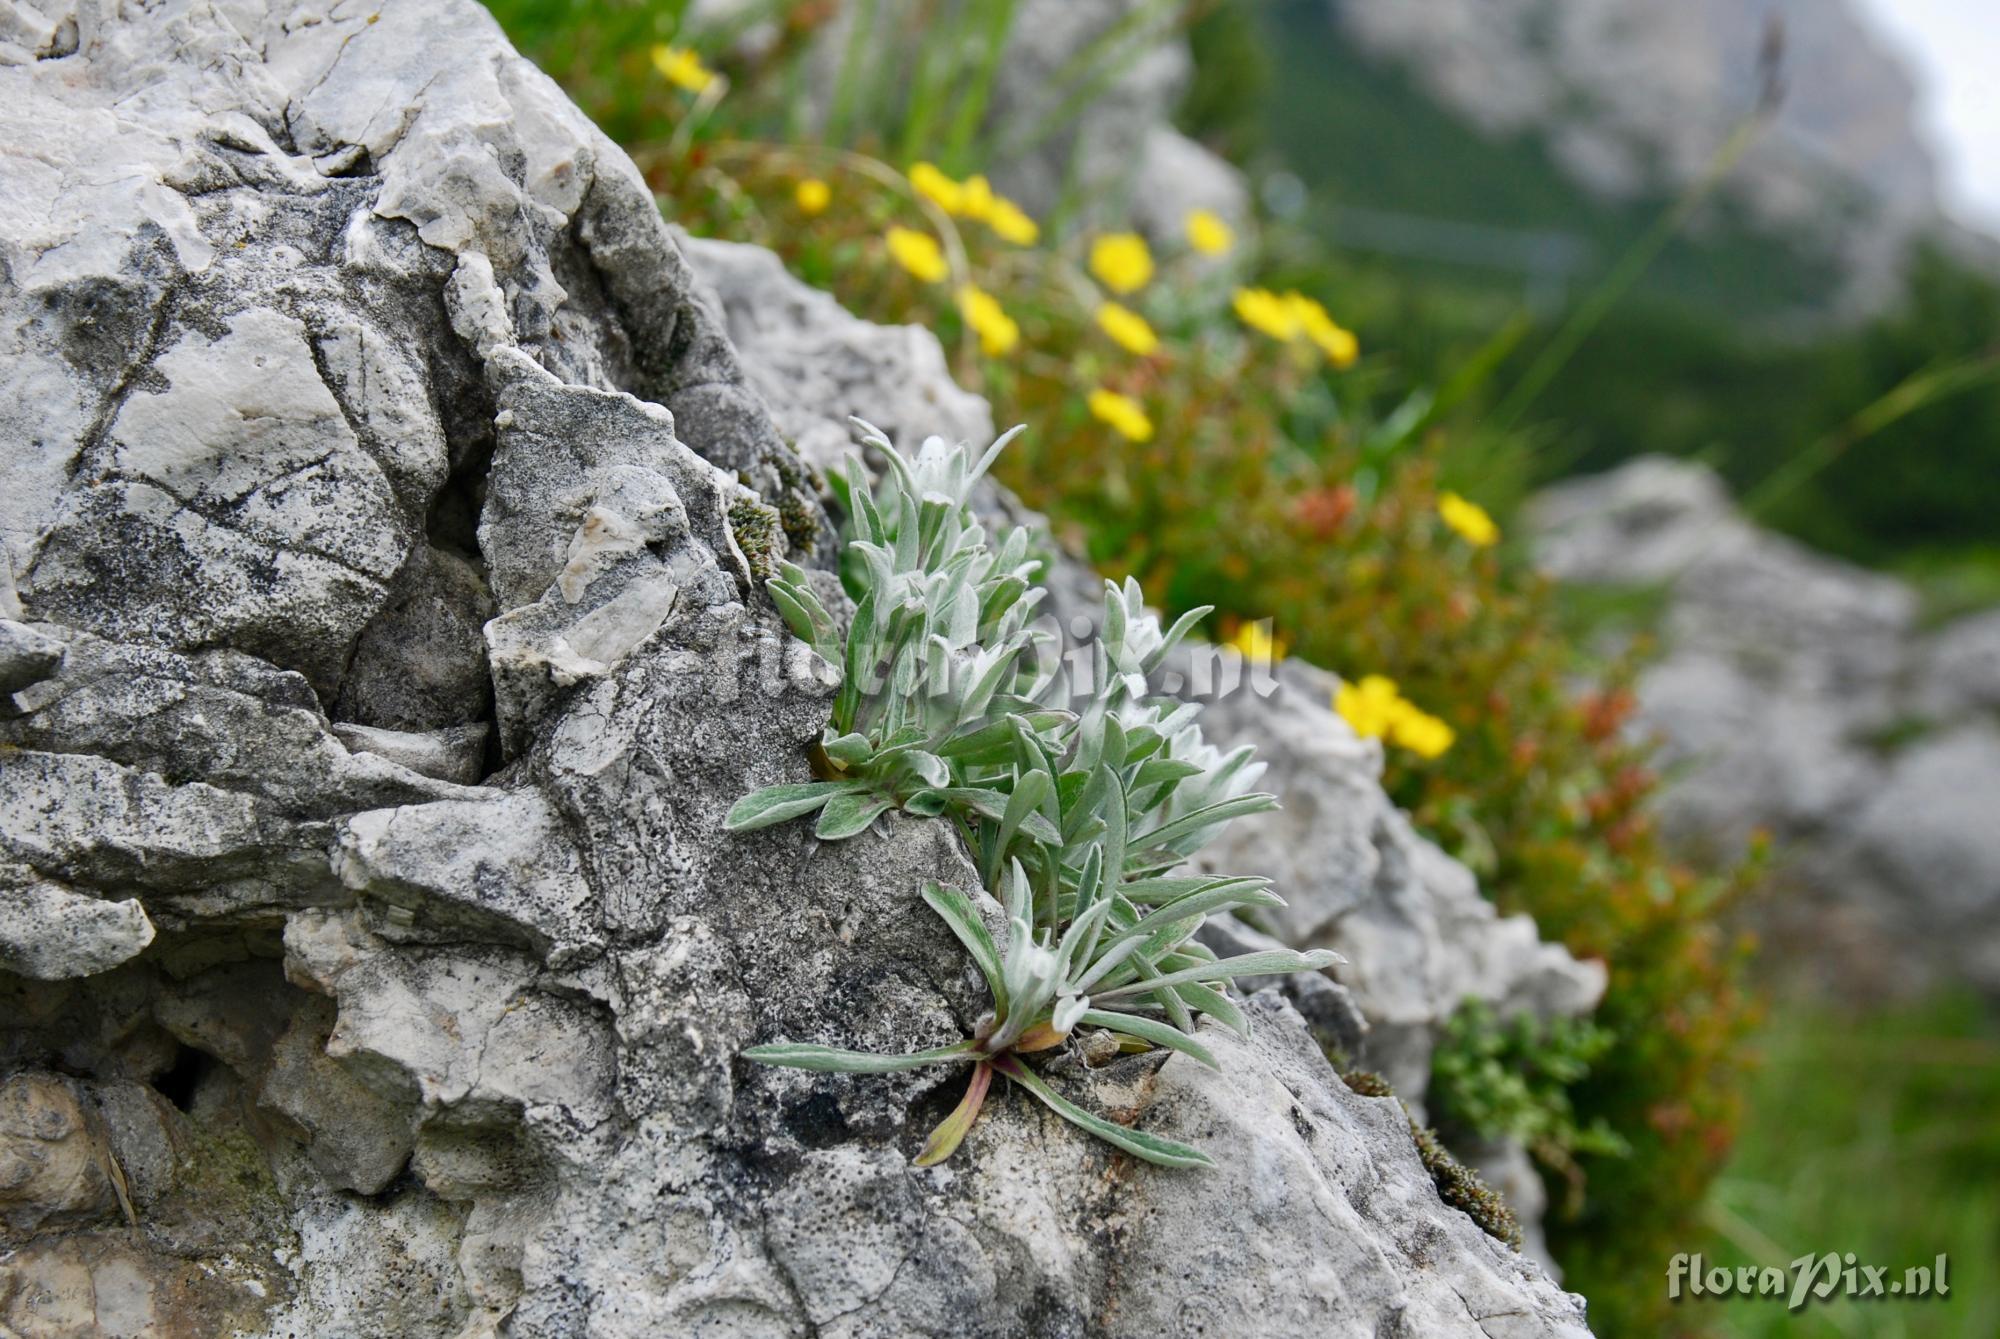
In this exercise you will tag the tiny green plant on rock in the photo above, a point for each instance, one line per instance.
(1077, 793)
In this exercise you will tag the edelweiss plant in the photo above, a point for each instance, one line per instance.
(939, 631)
(1076, 818)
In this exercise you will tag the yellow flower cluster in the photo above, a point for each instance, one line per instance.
(919, 253)
(682, 68)
(1125, 415)
(812, 196)
(1010, 223)
(1334, 340)
(1267, 313)
(1377, 709)
(1469, 520)
(1128, 329)
(926, 180)
(1121, 262)
(1421, 733)
(998, 333)
(1289, 316)
(1207, 233)
(975, 199)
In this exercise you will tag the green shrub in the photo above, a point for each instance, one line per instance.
(1495, 1080)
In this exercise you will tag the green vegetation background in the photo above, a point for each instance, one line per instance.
(1718, 354)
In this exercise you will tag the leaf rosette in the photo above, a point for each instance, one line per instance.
(1079, 795)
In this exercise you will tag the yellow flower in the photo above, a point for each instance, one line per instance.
(937, 188)
(997, 331)
(972, 198)
(1257, 644)
(1420, 732)
(1121, 262)
(812, 196)
(919, 253)
(1335, 341)
(1010, 224)
(1123, 413)
(1377, 709)
(1339, 345)
(976, 199)
(1207, 233)
(1370, 706)
(682, 68)
(1266, 312)
(1128, 328)
(1469, 519)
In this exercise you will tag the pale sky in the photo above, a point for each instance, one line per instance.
(1954, 46)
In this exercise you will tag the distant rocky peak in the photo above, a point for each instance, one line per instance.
(1633, 98)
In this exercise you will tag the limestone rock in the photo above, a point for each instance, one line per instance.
(335, 336)
(1178, 175)
(1799, 696)
(456, 754)
(26, 657)
(48, 933)
(1926, 849)
(420, 665)
(817, 366)
(1959, 669)
(52, 1156)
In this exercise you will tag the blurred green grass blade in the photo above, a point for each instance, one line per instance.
(970, 112)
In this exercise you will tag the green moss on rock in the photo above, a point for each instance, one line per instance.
(759, 533)
(1368, 1083)
(798, 512)
(1461, 1187)
(1457, 1184)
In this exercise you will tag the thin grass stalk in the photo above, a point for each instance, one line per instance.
(937, 60)
(970, 113)
(1631, 267)
(1920, 390)
(853, 61)
(1085, 75)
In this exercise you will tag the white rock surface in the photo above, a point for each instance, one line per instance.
(1799, 696)
(48, 933)
(1178, 175)
(334, 333)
